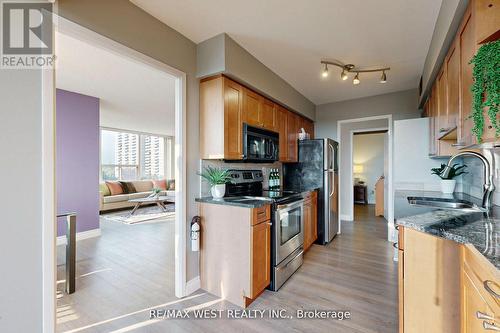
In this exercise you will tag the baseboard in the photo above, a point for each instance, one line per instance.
(346, 218)
(61, 240)
(193, 285)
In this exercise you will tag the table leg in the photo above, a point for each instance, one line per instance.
(162, 206)
(135, 208)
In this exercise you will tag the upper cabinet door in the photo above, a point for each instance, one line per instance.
(467, 49)
(452, 63)
(488, 22)
(252, 104)
(233, 105)
(282, 129)
(442, 102)
(267, 115)
(293, 128)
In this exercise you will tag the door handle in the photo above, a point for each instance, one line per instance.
(490, 326)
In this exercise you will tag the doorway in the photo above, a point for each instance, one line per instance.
(178, 163)
(370, 169)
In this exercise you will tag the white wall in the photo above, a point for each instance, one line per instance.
(21, 222)
(401, 105)
(412, 164)
(368, 151)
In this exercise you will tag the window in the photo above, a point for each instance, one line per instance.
(131, 156)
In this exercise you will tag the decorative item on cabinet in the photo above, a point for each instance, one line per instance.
(486, 91)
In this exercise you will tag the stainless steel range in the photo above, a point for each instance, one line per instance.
(287, 230)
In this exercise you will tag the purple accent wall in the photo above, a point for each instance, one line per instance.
(77, 159)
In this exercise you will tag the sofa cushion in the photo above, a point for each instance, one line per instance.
(116, 198)
(161, 184)
(115, 188)
(143, 185)
(171, 184)
(138, 195)
(104, 189)
(128, 187)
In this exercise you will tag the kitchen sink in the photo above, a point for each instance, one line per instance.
(444, 203)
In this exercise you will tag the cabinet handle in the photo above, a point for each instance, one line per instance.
(486, 285)
(395, 245)
(490, 326)
(482, 315)
(458, 144)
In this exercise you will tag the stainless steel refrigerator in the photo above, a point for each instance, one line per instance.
(317, 168)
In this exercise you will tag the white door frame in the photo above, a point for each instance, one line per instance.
(390, 194)
(67, 27)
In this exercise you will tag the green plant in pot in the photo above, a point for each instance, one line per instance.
(486, 88)
(156, 192)
(448, 181)
(217, 178)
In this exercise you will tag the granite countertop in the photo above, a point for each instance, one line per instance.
(476, 228)
(247, 203)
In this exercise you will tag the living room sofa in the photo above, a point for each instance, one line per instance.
(130, 190)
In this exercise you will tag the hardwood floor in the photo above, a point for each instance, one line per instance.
(355, 272)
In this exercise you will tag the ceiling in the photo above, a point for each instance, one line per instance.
(132, 96)
(292, 36)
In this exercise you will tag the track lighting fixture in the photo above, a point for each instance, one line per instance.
(350, 68)
(356, 81)
(325, 71)
(343, 76)
(383, 78)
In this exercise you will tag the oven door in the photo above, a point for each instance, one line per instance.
(289, 229)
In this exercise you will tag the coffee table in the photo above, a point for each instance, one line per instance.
(160, 201)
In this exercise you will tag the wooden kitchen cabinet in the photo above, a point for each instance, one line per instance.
(293, 130)
(258, 111)
(235, 251)
(488, 26)
(310, 219)
(261, 258)
(480, 305)
(221, 104)
(282, 129)
(452, 70)
(450, 99)
(429, 281)
(467, 49)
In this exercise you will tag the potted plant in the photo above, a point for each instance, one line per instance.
(486, 88)
(447, 179)
(217, 178)
(156, 193)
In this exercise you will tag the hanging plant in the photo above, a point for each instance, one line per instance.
(486, 87)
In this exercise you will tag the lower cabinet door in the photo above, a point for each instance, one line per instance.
(307, 225)
(261, 257)
(476, 310)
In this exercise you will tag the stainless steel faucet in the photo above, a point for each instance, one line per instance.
(489, 185)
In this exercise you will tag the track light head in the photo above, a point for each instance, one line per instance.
(356, 80)
(383, 78)
(325, 71)
(343, 76)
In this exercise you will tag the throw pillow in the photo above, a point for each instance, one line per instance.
(128, 187)
(114, 187)
(161, 184)
(171, 185)
(104, 189)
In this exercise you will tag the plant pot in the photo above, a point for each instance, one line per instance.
(218, 191)
(448, 185)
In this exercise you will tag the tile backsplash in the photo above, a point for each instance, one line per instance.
(264, 167)
(472, 182)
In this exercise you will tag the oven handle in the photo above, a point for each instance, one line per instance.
(290, 205)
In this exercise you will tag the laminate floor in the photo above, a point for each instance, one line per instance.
(355, 272)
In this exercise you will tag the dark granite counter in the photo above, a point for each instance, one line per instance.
(247, 203)
(476, 228)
